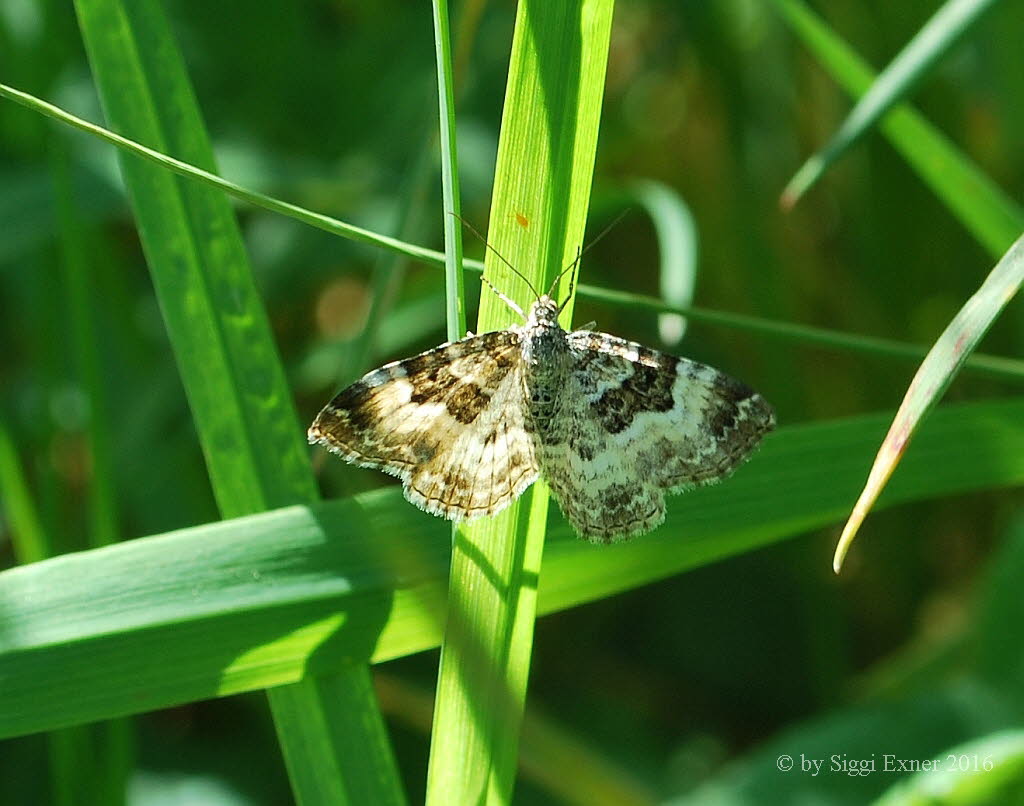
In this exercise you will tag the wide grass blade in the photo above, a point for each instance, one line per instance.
(949, 24)
(543, 175)
(266, 599)
(233, 377)
(933, 377)
(977, 202)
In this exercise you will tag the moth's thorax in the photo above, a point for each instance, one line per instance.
(546, 356)
(544, 346)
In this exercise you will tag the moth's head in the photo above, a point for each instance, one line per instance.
(543, 313)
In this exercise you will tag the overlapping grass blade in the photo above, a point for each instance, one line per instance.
(933, 377)
(240, 401)
(946, 27)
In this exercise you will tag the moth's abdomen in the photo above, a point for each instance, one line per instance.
(544, 405)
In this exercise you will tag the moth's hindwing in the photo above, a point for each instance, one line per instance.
(639, 423)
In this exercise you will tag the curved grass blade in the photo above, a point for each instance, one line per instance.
(935, 374)
(977, 202)
(676, 232)
(948, 25)
(208, 177)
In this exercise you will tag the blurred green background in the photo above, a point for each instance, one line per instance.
(333, 107)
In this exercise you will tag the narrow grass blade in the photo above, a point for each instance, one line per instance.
(991, 216)
(948, 25)
(210, 178)
(1010, 369)
(933, 377)
(227, 358)
(995, 366)
(543, 175)
(266, 599)
(451, 206)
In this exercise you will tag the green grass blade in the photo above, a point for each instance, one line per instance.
(545, 164)
(452, 208)
(992, 217)
(949, 24)
(236, 387)
(932, 379)
(263, 600)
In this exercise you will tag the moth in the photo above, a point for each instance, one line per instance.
(611, 425)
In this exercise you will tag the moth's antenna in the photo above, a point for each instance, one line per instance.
(572, 279)
(579, 255)
(503, 297)
(501, 257)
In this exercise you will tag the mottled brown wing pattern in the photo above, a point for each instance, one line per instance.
(640, 423)
(450, 423)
